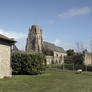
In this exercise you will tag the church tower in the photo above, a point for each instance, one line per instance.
(35, 40)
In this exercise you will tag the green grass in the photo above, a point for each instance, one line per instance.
(50, 81)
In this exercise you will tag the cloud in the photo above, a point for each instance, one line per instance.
(75, 12)
(57, 42)
(65, 45)
(18, 36)
(45, 37)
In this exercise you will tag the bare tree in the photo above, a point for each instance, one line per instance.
(79, 47)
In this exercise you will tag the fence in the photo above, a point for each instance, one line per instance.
(72, 67)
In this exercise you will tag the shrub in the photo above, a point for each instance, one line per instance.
(16, 63)
(77, 66)
(89, 68)
(23, 63)
(77, 58)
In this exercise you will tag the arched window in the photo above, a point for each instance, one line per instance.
(52, 62)
(34, 30)
(56, 61)
(57, 55)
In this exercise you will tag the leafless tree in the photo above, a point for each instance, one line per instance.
(79, 47)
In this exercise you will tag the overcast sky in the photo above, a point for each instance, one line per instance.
(64, 22)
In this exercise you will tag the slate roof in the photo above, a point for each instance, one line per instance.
(53, 47)
(2, 37)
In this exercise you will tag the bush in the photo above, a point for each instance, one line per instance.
(77, 66)
(89, 68)
(77, 58)
(23, 63)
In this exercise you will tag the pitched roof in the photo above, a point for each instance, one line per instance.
(53, 47)
(14, 48)
(2, 37)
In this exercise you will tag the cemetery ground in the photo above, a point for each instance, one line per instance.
(50, 81)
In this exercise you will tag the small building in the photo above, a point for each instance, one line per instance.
(5, 56)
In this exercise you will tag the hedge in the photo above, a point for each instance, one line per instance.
(29, 64)
(89, 68)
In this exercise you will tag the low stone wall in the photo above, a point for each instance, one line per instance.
(55, 59)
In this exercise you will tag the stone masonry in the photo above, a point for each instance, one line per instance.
(5, 56)
(34, 40)
(5, 69)
(87, 58)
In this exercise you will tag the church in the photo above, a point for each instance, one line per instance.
(35, 44)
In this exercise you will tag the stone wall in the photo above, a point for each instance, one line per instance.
(58, 58)
(5, 55)
(49, 60)
(87, 58)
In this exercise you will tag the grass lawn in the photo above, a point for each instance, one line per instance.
(50, 81)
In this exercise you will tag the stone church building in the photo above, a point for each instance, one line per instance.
(5, 56)
(35, 44)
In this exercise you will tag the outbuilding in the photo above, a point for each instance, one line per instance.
(5, 56)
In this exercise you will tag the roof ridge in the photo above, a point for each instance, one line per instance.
(6, 38)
